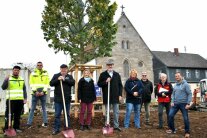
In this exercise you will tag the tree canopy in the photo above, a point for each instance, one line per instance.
(84, 29)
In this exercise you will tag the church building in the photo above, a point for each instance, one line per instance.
(130, 52)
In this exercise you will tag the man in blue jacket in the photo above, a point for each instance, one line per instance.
(181, 98)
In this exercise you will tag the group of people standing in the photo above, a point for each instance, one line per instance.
(138, 93)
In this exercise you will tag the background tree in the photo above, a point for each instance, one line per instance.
(83, 29)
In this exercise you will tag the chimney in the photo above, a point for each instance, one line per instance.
(176, 53)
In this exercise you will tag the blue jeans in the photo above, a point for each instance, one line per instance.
(161, 105)
(174, 109)
(129, 107)
(115, 113)
(58, 109)
(33, 107)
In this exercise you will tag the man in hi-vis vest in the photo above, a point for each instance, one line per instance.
(16, 92)
(39, 83)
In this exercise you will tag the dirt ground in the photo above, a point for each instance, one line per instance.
(198, 122)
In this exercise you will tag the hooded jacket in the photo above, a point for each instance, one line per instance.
(182, 93)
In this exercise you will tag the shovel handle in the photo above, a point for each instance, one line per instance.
(63, 97)
(108, 102)
(9, 103)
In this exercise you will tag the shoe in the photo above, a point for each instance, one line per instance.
(28, 126)
(117, 128)
(88, 127)
(55, 132)
(18, 130)
(44, 125)
(82, 127)
(187, 135)
(137, 127)
(169, 131)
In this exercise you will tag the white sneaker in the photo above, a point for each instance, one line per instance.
(44, 124)
(18, 130)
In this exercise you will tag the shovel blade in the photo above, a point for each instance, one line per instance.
(68, 133)
(108, 130)
(10, 132)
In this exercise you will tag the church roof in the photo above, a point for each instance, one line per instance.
(181, 60)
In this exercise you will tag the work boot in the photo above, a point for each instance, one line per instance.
(82, 127)
(88, 127)
(118, 129)
(55, 132)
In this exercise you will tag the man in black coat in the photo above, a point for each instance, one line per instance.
(115, 90)
(146, 96)
(68, 82)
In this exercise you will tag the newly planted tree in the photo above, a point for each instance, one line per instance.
(83, 29)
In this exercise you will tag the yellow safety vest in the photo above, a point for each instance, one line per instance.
(39, 79)
(15, 88)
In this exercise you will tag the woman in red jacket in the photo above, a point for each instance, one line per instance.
(163, 90)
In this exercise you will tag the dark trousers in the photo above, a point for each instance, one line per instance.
(161, 106)
(16, 111)
(58, 110)
(89, 107)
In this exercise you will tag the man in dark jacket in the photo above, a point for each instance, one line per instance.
(115, 90)
(68, 82)
(146, 96)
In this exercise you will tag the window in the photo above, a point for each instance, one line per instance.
(197, 74)
(140, 64)
(205, 73)
(126, 68)
(188, 74)
(178, 70)
(127, 44)
(122, 44)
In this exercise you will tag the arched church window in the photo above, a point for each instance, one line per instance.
(122, 44)
(127, 44)
(126, 68)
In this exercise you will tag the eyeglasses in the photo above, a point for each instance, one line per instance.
(144, 75)
(39, 65)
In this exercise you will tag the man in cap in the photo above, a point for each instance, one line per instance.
(115, 90)
(67, 82)
(16, 93)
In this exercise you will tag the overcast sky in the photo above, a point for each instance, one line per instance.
(163, 25)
